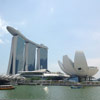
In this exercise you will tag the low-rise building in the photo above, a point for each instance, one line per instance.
(43, 74)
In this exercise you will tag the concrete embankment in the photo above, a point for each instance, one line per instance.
(58, 83)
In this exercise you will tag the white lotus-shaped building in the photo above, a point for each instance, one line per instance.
(79, 67)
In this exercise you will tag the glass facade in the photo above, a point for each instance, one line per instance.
(43, 58)
(11, 68)
(74, 79)
(31, 57)
(24, 57)
(10, 65)
(19, 63)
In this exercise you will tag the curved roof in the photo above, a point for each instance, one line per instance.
(80, 63)
(70, 65)
(62, 67)
(79, 67)
(92, 71)
(15, 32)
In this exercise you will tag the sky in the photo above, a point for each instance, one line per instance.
(64, 26)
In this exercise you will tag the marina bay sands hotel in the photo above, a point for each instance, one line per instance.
(25, 55)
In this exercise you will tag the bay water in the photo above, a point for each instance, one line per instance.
(30, 92)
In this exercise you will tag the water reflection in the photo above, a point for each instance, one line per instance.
(46, 89)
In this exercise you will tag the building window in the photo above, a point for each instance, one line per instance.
(79, 68)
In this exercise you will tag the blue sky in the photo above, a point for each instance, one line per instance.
(63, 25)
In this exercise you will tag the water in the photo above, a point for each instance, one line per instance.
(51, 93)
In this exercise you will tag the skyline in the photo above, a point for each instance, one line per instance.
(63, 26)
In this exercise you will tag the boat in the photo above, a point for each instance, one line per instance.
(76, 87)
(6, 87)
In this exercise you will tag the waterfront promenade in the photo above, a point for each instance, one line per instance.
(58, 83)
(25, 81)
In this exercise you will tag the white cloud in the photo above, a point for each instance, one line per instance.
(3, 25)
(52, 10)
(3, 30)
(1, 42)
(5, 41)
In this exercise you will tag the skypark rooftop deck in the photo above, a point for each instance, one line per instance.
(15, 32)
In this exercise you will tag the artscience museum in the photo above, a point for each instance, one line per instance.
(79, 69)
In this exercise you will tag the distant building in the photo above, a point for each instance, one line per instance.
(78, 70)
(25, 55)
(43, 74)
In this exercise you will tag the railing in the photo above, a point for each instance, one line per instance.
(58, 83)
